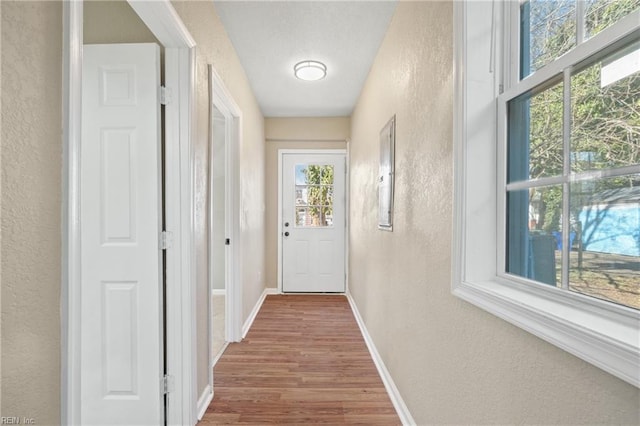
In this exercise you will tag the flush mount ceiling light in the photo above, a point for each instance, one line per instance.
(310, 70)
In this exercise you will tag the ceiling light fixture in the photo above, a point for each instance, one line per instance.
(310, 70)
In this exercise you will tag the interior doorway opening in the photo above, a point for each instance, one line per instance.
(224, 293)
(219, 239)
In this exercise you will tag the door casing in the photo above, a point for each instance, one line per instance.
(220, 97)
(281, 154)
(165, 24)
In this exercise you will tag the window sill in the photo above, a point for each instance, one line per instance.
(604, 335)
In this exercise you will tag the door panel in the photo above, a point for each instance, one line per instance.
(313, 228)
(121, 329)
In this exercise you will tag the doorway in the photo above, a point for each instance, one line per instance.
(312, 225)
(177, 383)
(218, 237)
(224, 208)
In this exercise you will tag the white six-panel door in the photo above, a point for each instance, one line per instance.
(121, 295)
(313, 222)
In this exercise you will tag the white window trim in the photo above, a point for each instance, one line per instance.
(603, 334)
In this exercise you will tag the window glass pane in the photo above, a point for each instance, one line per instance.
(547, 31)
(533, 230)
(601, 14)
(301, 216)
(314, 195)
(327, 175)
(314, 216)
(318, 195)
(302, 195)
(314, 174)
(535, 135)
(605, 105)
(301, 176)
(606, 260)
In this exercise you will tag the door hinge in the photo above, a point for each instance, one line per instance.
(166, 240)
(227, 241)
(165, 95)
(167, 384)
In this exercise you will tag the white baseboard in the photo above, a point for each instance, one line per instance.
(392, 390)
(256, 309)
(219, 292)
(204, 401)
(217, 357)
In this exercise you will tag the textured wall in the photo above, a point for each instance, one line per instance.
(113, 21)
(31, 204)
(452, 362)
(293, 133)
(214, 47)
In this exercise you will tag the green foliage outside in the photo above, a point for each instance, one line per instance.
(605, 122)
(319, 193)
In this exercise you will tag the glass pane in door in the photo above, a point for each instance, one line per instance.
(314, 195)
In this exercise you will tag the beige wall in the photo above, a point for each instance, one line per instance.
(214, 47)
(31, 57)
(114, 21)
(293, 133)
(452, 362)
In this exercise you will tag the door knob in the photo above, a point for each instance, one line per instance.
(286, 234)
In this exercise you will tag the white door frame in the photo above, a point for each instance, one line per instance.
(222, 99)
(281, 154)
(165, 24)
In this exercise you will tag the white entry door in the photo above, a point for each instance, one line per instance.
(121, 297)
(313, 222)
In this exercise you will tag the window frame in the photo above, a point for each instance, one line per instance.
(599, 332)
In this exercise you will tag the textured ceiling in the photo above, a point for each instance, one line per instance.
(271, 37)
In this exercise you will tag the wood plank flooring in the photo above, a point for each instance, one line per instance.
(303, 361)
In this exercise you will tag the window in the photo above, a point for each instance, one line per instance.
(573, 153)
(553, 172)
(314, 195)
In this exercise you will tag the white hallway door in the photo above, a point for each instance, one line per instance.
(121, 219)
(313, 222)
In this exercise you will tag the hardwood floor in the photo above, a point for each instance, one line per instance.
(303, 361)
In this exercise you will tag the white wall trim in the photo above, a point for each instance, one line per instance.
(254, 312)
(203, 402)
(181, 328)
(164, 22)
(219, 354)
(347, 215)
(392, 390)
(221, 98)
(70, 307)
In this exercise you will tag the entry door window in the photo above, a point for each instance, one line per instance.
(314, 195)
